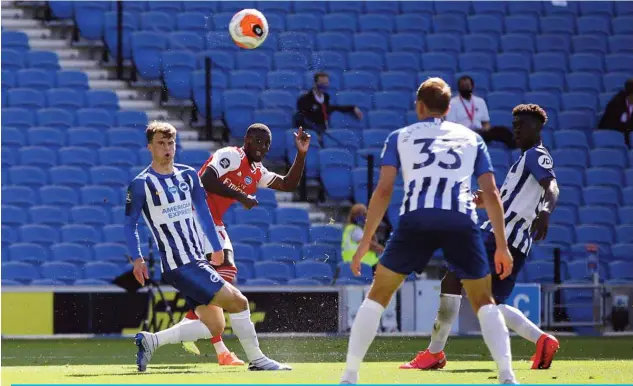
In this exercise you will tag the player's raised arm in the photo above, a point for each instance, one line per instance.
(290, 181)
(134, 201)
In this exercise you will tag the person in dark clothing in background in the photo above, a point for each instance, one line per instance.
(618, 115)
(314, 108)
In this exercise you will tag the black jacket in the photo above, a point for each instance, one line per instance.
(612, 117)
(310, 112)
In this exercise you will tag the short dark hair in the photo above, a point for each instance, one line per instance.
(466, 77)
(532, 110)
(156, 127)
(257, 127)
(628, 86)
(435, 94)
(319, 74)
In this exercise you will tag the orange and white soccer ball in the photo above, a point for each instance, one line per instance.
(248, 28)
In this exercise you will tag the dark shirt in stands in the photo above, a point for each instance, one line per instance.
(315, 115)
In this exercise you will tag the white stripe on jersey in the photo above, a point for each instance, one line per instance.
(197, 243)
(181, 242)
(159, 236)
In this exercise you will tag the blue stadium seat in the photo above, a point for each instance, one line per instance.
(108, 176)
(35, 78)
(609, 139)
(97, 118)
(71, 252)
(69, 176)
(55, 117)
(392, 100)
(619, 44)
(58, 196)
(539, 271)
(627, 193)
(317, 8)
(76, 80)
(178, 66)
(186, 41)
(101, 271)
(509, 81)
(287, 234)
(614, 62)
(613, 82)
(591, 63)
(601, 195)
(37, 156)
(626, 215)
(596, 24)
(113, 233)
(579, 101)
(560, 235)
(621, 270)
(157, 22)
(365, 61)
(11, 61)
(328, 234)
(102, 99)
(594, 234)
(126, 137)
(552, 43)
(43, 235)
(413, 23)
(19, 271)
(89, 215)
(624, 249)
(340, 22)
(585, 82)
(578, 270)
(111, 30)
(490, 8)
(322, 251)
(499, 157)
(608, 158)
(67, 99)
(334, 41)
(262, 282)
(589, 44)
(28, 252)
(485, 24)
(17, 117)
(303, 22)
(43, 60)
(564, 215)
(345, 272)
(555, 62)
(297, 282)
(272, 270)
(18, 195)
(9, 237)
(256, 216)
(244, 79)
(513, 61)
(13, 215)
(295, 41)
(193, 157)
(500, 100)
(597, 215)
(385, 119)
(62, 271)
(146, 53)
(15, 40)
(341, 139)
(445, 42)
(407, 42)
(117, 156)
(9, 283)
(293, 216)
(438, 61)
(195, 22)
(48, 215)
(501, 118)
(113, 252)
(27, 175)
(245, 252)
(248, 234)
(449, 23)
(374, 138)
(517, 43)
(280, 252)
(314, 270)
(360, 80)
(546, 81)
(13, 138)
(576, 120)
(604, 176)
(278, 99)
(286, 80)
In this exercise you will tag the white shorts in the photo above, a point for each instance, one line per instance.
(224, 240)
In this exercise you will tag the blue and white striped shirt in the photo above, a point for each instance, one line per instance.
(437, 160)
(166, 203)
(522, 195)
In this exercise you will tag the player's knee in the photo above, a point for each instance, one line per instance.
(450, 284)
(239, 303)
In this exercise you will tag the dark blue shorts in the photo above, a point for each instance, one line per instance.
(421, 232)
(198, 282)
(501, 289)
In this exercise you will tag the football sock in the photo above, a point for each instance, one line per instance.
(185, 331)
(244, 329)
(362, 335)
(219, 345)
(495, 334)
(520, 324)
(446, 314)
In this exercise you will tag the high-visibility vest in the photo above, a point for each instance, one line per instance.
(349, 246)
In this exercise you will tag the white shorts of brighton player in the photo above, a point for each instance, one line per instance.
(224, 240)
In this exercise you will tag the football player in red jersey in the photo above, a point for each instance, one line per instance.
(233, 174)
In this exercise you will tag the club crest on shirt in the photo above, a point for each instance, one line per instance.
(173, 190)
(224, 162)
(183, 186)
(128, 197)
(545, 161)
(248, 180)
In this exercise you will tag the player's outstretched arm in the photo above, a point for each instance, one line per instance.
(290, 181)
(212, 184)
(377, 207)
(134, 201)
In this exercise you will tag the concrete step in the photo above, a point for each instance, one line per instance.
(36, 33)
(318, 217)
(79, 64)
(67, 54)
(14, 24)
(129, 95)
(140, 105)
(283, 196)
(12, 13)
(294, 204)
(189, 138)
(108, 84)
(97, 74)
(158, 115)
(47, 44)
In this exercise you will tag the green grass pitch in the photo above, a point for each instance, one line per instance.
(315, 360)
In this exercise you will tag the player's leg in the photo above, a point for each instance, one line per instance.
(450, 300)
(546, 344)
(465, 251)
(232, 300)
(405, 253)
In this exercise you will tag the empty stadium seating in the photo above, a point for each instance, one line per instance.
(68, 152)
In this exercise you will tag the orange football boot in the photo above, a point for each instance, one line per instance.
(229, 359)
(546, 348)
(425, 360)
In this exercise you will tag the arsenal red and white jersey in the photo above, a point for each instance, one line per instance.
(234, 170)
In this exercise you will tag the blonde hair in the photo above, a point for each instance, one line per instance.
(156, 127)
(435, 94)
(353, 212)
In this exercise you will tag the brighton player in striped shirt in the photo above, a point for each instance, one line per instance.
(437, 160)
(529, 195)
(166, 194)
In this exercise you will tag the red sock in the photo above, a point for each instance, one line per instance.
(216, 339)
(191, 315)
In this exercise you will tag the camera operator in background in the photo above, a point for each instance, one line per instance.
(353, 233)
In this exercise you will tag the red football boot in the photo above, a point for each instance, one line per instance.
(546, 348)
(425, 360)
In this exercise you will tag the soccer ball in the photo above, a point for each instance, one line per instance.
(248, 28)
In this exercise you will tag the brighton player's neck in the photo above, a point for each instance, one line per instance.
(531, 144)
(166, 169)
(428, 116)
